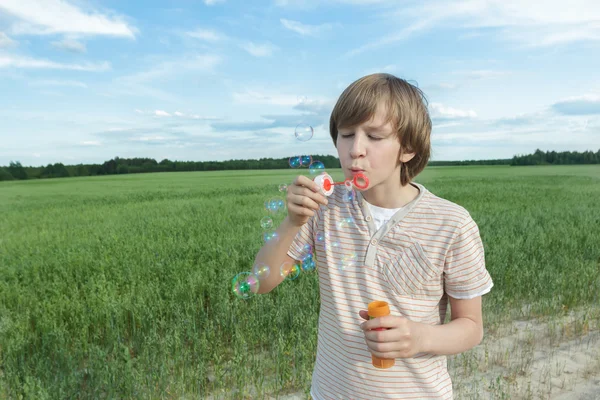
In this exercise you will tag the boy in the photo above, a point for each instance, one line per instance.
(395, 241)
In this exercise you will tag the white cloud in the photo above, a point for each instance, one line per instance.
(482, 74)
(5, 41)
(59, 16)
(161, 113)
(259, 97)
(586, 104)
(533, 23)
(70, 45)
(259, 50)
(213, 2)
(91, 143)
(303, 29)
(204, 62)
(52, 82)
(440, 111)
(26, 62)
(179, 114)
(206, 34)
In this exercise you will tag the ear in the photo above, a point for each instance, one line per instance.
(406, 157)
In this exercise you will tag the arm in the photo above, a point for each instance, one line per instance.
(462, 333)
(405, 338)
(303, 201)
(274, 254)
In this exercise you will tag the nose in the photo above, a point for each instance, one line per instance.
(358, 149)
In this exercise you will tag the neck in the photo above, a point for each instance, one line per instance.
(386, 197)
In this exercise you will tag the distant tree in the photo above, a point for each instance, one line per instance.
(17, 170)
(5, 175)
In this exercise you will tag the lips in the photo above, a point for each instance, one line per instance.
(355, 171)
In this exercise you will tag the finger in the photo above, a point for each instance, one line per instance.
(305, 192)
(379, 336)
(389, 321)
(382, 348)
(302, 180)
(364, 314)
(304, 201)
(299, 210)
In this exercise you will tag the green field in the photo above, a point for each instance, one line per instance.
(120, 286)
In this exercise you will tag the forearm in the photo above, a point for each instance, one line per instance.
(274, 253)
(455, 337)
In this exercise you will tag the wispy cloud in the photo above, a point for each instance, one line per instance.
(304, 29)
(578, 105)
(536, 23)
(53, 82)
(439, 112)
(259, 50)
(196, 63)
(59, 16)
(6, 42)
(213, 2)
(26, 62)
(70, 45)
(208, 35)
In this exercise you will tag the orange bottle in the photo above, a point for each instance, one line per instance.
(380, 309)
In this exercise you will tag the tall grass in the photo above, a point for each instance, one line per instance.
(120, 286)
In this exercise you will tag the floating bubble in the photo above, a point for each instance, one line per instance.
(347, 223)
(304, 132)
(244, 285)
(266, 223)
(316, 167)
(308, 263)
(275, 205)
(261, 271)
(295, 162)
(283, 187)
(349, 261)
(349, 196)
(305, 161)
(320, 237)
(289, 271)
(270, 236)
(307, 248)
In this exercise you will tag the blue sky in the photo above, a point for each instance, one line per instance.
(85, 81)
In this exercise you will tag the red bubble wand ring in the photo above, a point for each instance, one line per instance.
(326, 183)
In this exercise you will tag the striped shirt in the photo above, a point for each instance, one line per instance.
(428, 250)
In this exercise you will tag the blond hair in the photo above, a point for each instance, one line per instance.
(407, 111)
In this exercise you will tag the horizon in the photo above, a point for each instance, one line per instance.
(222, 80)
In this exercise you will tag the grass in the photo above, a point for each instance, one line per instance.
(120, 286)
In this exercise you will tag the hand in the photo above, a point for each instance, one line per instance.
(403, 338)
(303, 199)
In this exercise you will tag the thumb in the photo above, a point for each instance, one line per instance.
(364, 314)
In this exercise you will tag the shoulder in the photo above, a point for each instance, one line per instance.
(433, 208)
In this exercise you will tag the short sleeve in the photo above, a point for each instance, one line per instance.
(465, 274)
(304, 241)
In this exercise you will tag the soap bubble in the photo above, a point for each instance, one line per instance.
(289, 270)
(261, 271)
(349, 196)
(270, 236)
(283, 187)
(295, 162)
(349, 261)
(308, 263)
(275, 205)
(266, 223)
(244, 285)
(304, 132)
(316, 167)
(305, 161)
(347, 223)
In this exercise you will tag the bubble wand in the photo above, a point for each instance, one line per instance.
(326, 183)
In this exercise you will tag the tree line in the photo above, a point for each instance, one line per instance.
(117, 165)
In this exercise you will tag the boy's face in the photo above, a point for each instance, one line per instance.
(371, 148)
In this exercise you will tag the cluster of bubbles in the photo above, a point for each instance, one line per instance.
(245, 284)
